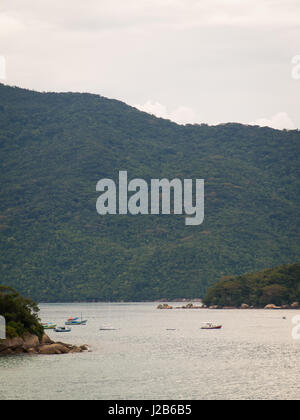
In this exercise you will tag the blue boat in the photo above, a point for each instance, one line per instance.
(62, 330)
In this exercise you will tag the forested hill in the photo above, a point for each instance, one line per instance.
(55, 247)
(277, 286)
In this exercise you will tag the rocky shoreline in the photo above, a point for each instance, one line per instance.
(295, 305)
(31, 344)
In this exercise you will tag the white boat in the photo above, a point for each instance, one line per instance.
(107, 328)
(210, 326)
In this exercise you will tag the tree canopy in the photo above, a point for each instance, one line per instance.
(21, 314)
(54, 148)
(278, 286)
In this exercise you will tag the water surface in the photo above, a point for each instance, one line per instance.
(252, 357)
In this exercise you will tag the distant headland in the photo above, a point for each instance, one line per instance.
(274, 288)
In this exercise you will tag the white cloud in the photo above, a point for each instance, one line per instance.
(180, 115)
(226, 60)
(186, 115)
(130, 13)
(279, 121)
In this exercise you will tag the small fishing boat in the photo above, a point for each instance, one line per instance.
(76, 321)
(62, 330)
(107, 328)
(210, 326)
(49, 325)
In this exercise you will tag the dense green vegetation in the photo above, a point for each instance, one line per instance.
(55, 247)
(278, 286)
(20, 314)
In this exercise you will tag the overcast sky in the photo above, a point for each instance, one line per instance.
(195, 61)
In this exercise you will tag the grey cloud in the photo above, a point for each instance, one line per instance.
(222, 61)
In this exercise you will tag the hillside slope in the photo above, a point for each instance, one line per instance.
(54, 246)
(279, 286)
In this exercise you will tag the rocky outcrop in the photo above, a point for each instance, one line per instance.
(31, 341)
(12, 344)
(46, 340)
(164, 306)
(30, 344)
(55, 348)
(271, 306)
(294, 305)
(190, 306)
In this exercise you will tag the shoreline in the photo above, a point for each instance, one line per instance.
(167, 304)
(293, 307)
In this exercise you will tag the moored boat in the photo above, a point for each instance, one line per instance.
(210, 326)
(49, 325)
(76, 321)
(107, 328)
(62, 330)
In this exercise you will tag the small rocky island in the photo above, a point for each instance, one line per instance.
(24, 332)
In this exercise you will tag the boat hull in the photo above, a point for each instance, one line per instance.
(217, 327)
(108, 329)
(49, 327)
(61, 330)
(75, 323)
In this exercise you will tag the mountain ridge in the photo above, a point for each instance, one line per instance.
(54, 147)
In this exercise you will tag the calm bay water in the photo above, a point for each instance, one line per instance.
(252, 357)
